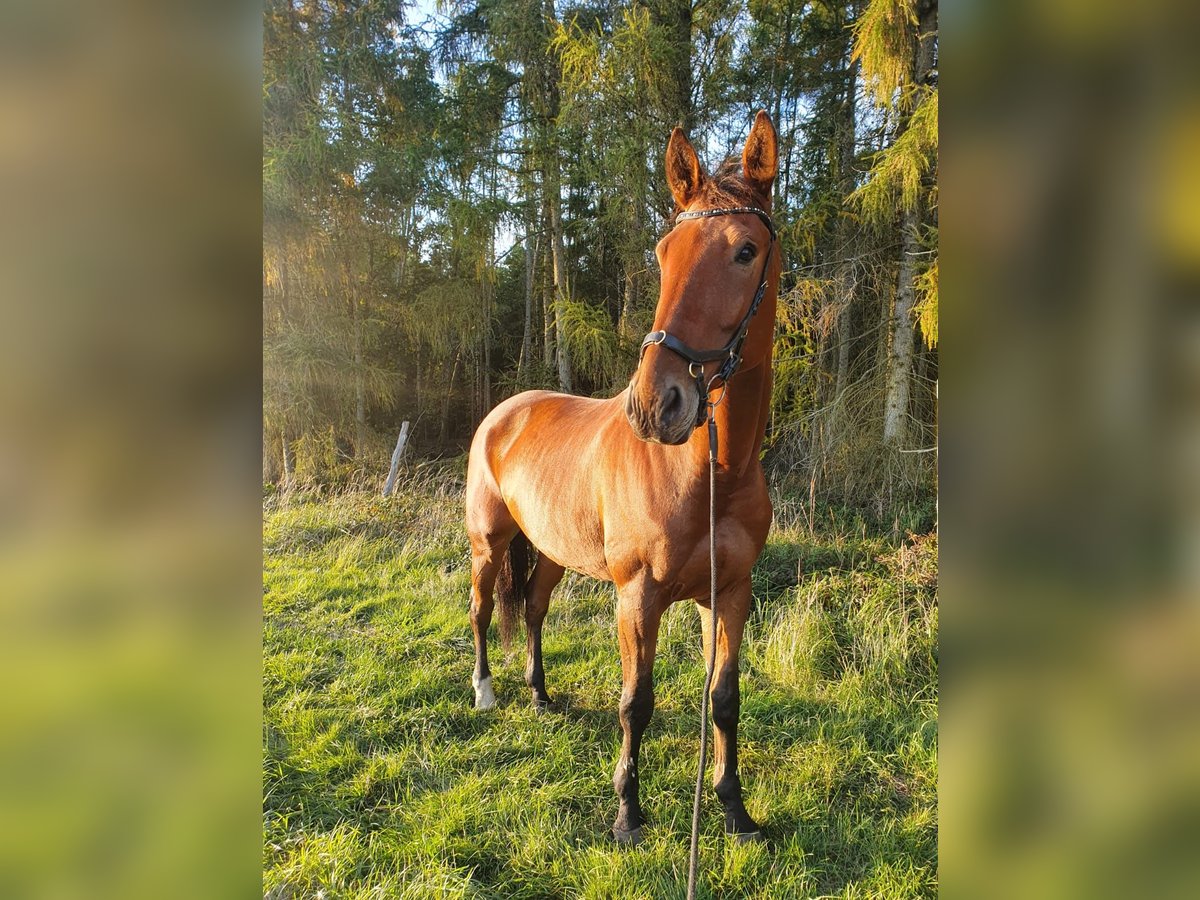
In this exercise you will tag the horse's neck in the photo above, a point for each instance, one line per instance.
(741, 421)
(742, 415)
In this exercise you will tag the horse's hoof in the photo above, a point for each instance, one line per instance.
(749, 837)
(628, 838)
(541, 706)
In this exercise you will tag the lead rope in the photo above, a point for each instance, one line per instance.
(693, 853)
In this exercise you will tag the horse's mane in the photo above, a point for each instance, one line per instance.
(727, 187)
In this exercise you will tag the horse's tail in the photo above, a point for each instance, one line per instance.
(511, 583)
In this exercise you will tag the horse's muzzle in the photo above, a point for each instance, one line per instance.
(666, 417)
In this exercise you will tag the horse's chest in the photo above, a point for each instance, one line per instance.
(737, 549)
(672, 548)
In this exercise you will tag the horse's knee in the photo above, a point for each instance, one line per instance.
(637, 705)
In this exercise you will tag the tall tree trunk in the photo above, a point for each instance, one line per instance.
(785, 53)
(485, 353)
(845, 324)
(489, 289)
(560, 287)
(405, 230)
(360, 387)
(895, 411)
(360, 390)
(444, 432)
(489, 295)
(287, 464)
(845, 231)
(548, 342)
(417, 378)
(553, 201)
(633, 267)
(527, 334)
(789, 144)
(546, 75)
(625, 326)
(552, 198)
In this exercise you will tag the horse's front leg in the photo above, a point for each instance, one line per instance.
(638, 617)
(733, 605)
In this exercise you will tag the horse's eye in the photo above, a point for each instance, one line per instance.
(746, 254)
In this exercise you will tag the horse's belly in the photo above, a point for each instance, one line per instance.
(578, 556)
(567, 530)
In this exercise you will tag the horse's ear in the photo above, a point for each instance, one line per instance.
(760, 159)
(685, 175)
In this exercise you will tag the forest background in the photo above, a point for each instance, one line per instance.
(461, 202)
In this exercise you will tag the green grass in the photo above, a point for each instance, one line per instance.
(381, 781)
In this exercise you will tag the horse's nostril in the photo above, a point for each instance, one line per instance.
(671, 401)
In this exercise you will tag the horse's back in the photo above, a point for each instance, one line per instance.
(535, 456)
(539, 420)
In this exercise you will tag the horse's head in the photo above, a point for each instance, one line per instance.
(715, 265)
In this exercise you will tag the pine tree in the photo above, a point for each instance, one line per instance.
(896, 44)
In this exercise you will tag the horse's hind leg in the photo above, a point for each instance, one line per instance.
(546, 574)
(488, 547)
(484, 567)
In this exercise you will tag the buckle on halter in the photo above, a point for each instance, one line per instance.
(696, 370)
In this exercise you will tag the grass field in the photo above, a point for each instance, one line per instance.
(380, 780)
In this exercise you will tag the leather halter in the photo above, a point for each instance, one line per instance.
(731, 353)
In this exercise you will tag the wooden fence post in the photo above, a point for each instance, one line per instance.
(396, 454)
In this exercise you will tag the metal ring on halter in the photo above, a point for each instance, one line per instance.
(713, 404)
(692, 366)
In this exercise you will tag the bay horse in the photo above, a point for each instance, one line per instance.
(618, 489)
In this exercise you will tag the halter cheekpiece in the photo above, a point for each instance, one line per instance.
(731, 353)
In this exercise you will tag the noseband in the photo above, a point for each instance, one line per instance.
(731, 353)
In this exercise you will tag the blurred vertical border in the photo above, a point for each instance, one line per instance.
(130, 266)
(1070, 462)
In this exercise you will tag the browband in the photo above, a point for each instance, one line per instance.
(730, 211)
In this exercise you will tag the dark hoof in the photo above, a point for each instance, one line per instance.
(749, 837)
(541, 706)
(628, 838)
